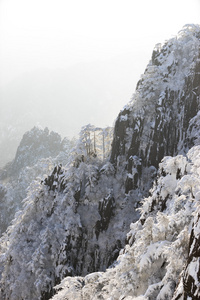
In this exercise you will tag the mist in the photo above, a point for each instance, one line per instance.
(65, 99)
(65, 65)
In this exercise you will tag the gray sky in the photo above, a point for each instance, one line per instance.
(59, 34)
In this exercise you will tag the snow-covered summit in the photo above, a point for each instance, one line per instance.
(37, 153)
(166, 99)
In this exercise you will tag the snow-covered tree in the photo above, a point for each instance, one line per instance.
(96, 141)
(75, 220)
(37, 154)
(151, 264)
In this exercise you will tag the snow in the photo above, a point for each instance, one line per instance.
(55, 236)
(152, 265)
(123, 118)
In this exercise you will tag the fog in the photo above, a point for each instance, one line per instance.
(65, 64)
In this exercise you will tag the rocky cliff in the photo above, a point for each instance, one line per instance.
(75, 221)
(151, 265)
(37, 154)
(158, 121)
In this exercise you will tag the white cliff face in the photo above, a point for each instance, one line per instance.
(76, 220)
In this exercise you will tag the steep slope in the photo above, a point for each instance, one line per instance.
(76, 220)
(162, 119)
(80, 223)
(150, 266)
(155, 123)
(36, 144)
(37, 154)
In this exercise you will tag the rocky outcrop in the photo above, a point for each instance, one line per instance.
(36, 156)
(191, 276)
(151, 264)
(36, 144)
(106, 209)
(188, 287)
(76, 228)
(76, 220)
(155, 123)
(159, 121)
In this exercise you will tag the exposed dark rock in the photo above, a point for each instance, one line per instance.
(191, 276)
(169, 127)
(155, 124)
(54, 181)
(106, 211)
(2, 192)
(118, 145)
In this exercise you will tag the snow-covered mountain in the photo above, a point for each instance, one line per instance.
(74, 224)
(151, 264)
(37, 154)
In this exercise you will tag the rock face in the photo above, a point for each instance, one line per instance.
(75, 221)
(36, 155)
(191, 277)
(157, 122)
(36, 144)
(152, 263)
(188, 287)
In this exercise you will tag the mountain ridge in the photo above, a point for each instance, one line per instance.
(82, 211)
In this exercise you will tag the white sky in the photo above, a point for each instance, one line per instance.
(54, 34)
(59, 33)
